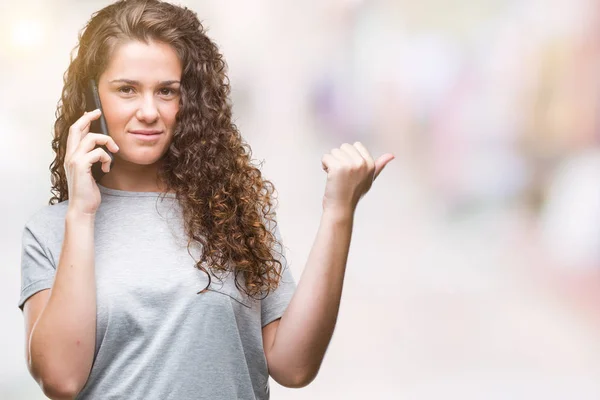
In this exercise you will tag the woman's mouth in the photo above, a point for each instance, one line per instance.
(146, 135)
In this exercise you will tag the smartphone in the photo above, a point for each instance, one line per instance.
(92, 102)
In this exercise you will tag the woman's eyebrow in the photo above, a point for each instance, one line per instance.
(133, 82)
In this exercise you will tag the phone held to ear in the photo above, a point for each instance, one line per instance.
(92, 102)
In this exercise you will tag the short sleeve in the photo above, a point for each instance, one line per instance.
(274, 305)
(37, 271)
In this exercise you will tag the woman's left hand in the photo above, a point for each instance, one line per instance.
(350, 173)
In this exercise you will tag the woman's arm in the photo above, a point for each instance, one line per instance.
(295, 345)
(63, 335)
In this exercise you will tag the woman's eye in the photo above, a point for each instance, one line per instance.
(167, 91)
(125, 89)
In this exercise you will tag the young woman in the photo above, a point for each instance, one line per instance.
(166, 278)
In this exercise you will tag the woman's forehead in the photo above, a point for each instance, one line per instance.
(147, 63)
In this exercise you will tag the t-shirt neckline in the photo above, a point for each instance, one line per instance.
(127, 193)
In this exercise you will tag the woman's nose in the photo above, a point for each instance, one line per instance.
(148, 112)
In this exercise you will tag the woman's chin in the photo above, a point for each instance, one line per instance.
(147, 157)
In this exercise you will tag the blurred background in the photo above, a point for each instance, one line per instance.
(474, 269)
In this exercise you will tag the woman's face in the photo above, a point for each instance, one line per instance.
(140, 91)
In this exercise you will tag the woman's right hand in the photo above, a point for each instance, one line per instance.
(84, 195)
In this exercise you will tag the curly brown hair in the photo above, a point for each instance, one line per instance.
(225, 201)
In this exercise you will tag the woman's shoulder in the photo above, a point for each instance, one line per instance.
(48, 217)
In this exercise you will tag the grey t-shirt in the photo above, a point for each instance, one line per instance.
(156, 338)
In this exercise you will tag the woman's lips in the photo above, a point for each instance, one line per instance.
(146, 131)
(146, 136)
